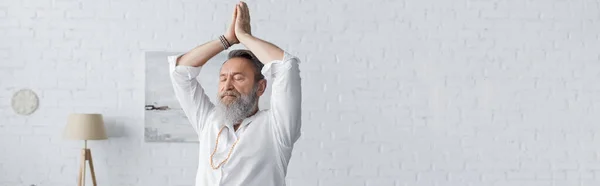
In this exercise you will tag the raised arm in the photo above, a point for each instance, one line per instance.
(183, 72)
(201, 54)
(265, 52)
(283, 68)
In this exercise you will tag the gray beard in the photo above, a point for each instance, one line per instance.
(237, 110)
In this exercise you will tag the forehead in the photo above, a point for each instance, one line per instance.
(236, 65)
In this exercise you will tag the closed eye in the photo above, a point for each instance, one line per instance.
(238, 77)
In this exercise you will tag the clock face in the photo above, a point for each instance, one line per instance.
(24, 102)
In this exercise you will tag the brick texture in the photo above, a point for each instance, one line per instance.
(408, 92)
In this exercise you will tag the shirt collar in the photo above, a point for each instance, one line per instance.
(249, 120)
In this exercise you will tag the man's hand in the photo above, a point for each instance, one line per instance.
(242, 21)
(239, 29)
(265, 52)
(230, 34)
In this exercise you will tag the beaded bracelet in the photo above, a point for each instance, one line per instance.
(225, 43)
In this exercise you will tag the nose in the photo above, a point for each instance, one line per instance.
(228, 85)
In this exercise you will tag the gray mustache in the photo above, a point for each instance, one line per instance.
(230, 93)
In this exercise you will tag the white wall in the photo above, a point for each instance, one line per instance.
(413, 92)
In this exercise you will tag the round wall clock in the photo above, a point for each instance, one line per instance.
(25, 102)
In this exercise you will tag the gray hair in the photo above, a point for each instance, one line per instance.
(247, 54)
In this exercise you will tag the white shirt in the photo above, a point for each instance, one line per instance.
(267, 138)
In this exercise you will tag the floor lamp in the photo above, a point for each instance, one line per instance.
(85, 127)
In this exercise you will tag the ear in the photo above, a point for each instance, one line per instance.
(262, 86)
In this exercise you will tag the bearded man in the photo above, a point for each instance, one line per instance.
(239, 143)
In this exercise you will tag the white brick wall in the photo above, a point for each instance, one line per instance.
(411, 92)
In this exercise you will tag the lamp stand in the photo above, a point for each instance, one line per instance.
(86, 157)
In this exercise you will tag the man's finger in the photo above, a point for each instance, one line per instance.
(243, 5)
(247, 11)
(241, 8)
(239, 12)
(234, 16)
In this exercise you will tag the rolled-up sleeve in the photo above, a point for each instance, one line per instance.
(189, 93)
(286, 97)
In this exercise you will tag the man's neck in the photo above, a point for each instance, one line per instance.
(236, 126)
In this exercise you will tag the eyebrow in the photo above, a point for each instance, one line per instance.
(235, 73)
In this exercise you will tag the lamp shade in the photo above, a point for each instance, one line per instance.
(85, 127)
